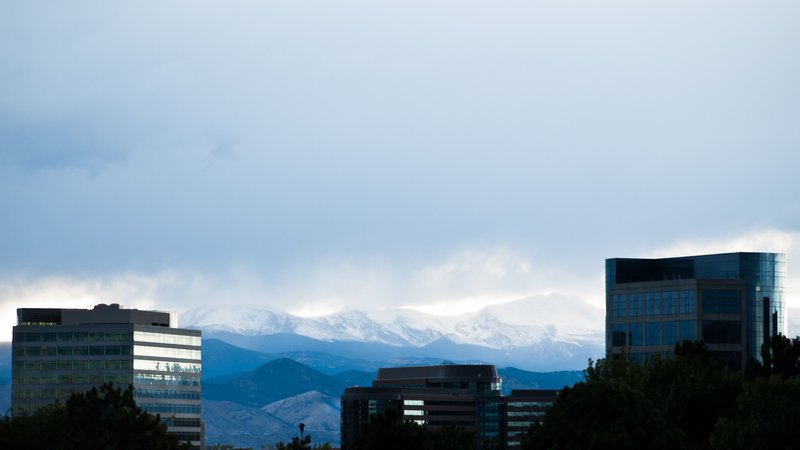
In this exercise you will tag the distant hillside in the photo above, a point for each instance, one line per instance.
(242, 426)
(319, 412)
(221, 358)
(5, 363)
(356, 377)
(546, 355)
(514, 378)
(271, 382)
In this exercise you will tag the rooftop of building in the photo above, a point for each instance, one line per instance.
(100, 314)
(709, 266)
(483, 372)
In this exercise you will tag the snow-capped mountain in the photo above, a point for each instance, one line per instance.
(522, 323)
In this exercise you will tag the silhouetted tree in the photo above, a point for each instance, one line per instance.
(100, 419)
(603, 414)
(768, 417)
(452, 437)
(779, 356)
(302, 442)
(388, 431)
(693, 390)
(672, 402)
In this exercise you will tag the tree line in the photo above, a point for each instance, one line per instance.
(688, 401)
(104, 418)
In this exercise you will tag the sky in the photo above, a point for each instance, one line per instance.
(442, 156)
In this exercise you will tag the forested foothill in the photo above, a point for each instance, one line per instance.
(688, 401)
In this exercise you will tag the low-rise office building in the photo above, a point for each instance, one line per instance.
(524, 407)
(468, 396)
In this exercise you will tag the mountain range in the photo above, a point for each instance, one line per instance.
(265, 404)
(547, 332)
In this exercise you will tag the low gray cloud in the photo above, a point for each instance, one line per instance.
(155, 137)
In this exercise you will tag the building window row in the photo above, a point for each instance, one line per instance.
(654, 304)
(165, 380)
(667, 332)
(31, 380)
(165, 338)
(81, 350)
(547, 404)
(73, 336)
(166, 366)
(185, 436)
(166, 393)
(526, 413)
(94, 364)
(724, 301)
(525, 424)
(166, 352)
(181, 422)
(160, 408)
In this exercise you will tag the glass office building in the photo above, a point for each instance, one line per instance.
(57, 352)
(733, 302)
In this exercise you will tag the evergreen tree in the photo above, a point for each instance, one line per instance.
(100, 419)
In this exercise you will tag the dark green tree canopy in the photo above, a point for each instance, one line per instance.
(688, 401)
(101, 419)
(388, 431)
(302, 442)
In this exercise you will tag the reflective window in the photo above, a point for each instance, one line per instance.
(619, 335)
(653, 333)
(687, 302)
(687, 332)
(165, 352)
(165, 338)
(669, 300)
(723, 301)
(618, 306)
(165, 380)
(635, 304)
(669, 332)
(722, 332)
(166, 393)
(159, 408)
(164, 366)
(653, 303)
(635, 334)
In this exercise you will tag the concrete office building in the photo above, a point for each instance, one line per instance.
(434, 396)
(733, 302)
(524, 407)
(60, 351)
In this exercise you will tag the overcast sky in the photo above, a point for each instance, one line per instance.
(307, 156)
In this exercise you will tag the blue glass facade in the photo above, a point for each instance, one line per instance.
(731, 301)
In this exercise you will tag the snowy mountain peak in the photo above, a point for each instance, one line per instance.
(498, 326)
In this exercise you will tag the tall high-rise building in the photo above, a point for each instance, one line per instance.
(57, 352)
(733, 302)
